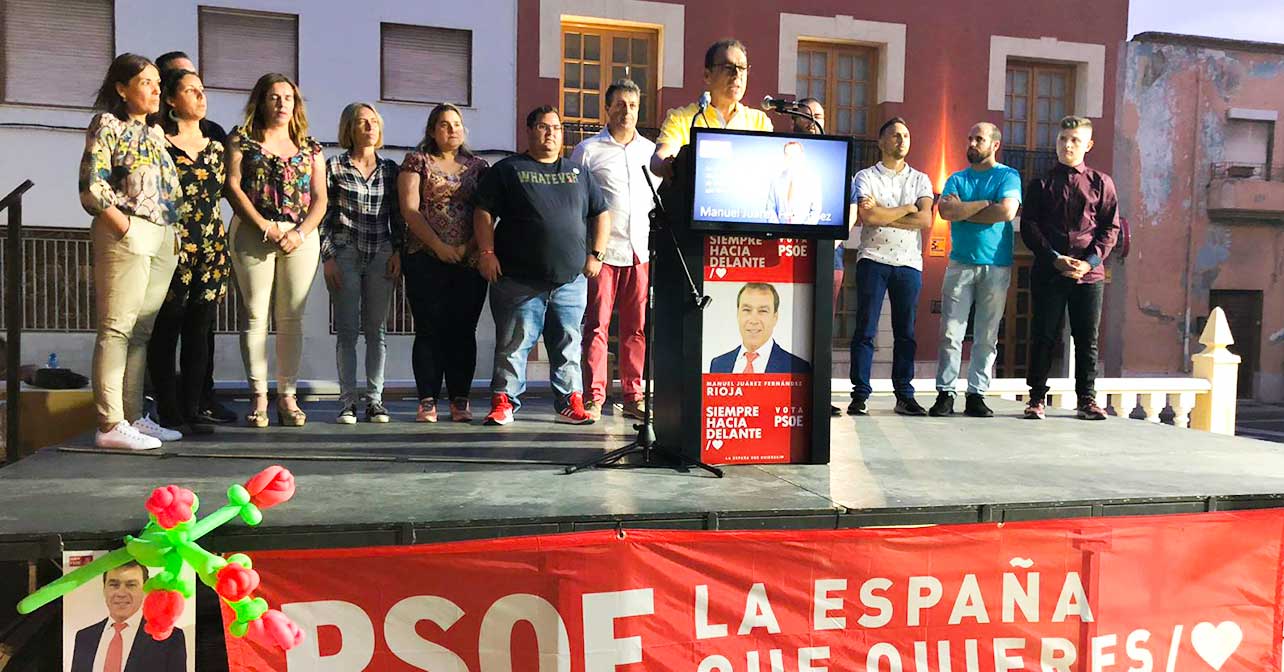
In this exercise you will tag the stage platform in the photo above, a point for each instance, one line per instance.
(407, 483)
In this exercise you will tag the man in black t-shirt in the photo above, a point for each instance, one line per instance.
(552, 233)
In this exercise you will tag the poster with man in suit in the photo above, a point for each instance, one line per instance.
(757, 312)
(104, 629)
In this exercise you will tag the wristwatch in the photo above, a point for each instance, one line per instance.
(598, 254)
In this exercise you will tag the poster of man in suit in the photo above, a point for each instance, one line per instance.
(104, 628)
(757, 308)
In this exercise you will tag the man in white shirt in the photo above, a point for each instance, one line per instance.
(616, 157)
(117, 643)
(894, 206)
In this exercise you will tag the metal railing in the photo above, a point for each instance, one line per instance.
(1235, 170)
(55, 289)
(1031, 163)
(13, 329)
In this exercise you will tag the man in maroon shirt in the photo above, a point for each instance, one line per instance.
(1069, 220)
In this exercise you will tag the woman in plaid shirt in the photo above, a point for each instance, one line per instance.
(360, 248)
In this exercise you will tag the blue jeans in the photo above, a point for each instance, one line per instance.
(361, 304)
(982, 291)
(901, 284)
(523, 310)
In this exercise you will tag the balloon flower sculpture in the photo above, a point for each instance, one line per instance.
(168, 542)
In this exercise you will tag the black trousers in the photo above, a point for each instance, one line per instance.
(446, 300)
(1052, 296)
(179, 396)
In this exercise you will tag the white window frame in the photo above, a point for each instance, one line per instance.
(1088, 59)
(887, 38)
(667, 18)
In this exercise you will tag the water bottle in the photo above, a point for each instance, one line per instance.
(53, 361)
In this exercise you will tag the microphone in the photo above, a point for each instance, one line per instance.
(770, 104)
(705, 99)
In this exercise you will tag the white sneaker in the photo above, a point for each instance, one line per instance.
(123, 436)
(148, 427)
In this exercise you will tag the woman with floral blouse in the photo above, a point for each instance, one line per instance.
(276, 185)
(439, 261)
(200, 280)
(129, 185)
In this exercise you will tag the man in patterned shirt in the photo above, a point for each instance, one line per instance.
(894, 205)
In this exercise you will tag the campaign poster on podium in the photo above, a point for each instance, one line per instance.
(756, 350)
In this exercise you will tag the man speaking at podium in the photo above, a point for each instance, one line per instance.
(757, 311)
(726, 76)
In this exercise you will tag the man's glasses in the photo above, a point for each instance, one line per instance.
(548, 128)
(732, 69)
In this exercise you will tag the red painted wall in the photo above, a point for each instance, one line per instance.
(946, 74)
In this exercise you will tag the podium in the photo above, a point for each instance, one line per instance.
(711, 403)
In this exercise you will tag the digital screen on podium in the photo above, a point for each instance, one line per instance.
(779, 184)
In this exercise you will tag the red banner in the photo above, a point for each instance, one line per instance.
(1157, 593)
(757, 410)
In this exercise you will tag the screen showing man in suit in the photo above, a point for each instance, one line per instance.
(119, 643)
(757, 311)
(794, 194)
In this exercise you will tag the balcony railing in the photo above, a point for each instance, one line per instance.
(1248, 171)
(1031, 163)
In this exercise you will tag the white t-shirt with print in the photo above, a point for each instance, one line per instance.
(886, 244)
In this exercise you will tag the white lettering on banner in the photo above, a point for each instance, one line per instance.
(758, 613)
(1027, 598)
(1057, 655)
(1137, 653)
(406, 644)
(715, 664)
(878, 603)
(1003, 661)
(924, 593)
(775, 658)
(731, 411)
(1073, 600)
(354, 626)
(1101, 658)
(705, 630)
(495, 642)
(811, 654)
(602, 651)
(823, 604)
(881, 652)
(969, 604)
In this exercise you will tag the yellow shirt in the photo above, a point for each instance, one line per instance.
(676, 128)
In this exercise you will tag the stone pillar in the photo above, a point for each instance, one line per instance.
(1215, 410)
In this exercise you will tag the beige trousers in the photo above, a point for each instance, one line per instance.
(131, 277)
(261, 269)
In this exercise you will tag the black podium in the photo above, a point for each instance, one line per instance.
(686, 417)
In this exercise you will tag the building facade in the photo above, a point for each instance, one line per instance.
(1021, 64)
(1198, 177)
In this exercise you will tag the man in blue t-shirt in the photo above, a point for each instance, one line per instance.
(552, 234)
(980, 203)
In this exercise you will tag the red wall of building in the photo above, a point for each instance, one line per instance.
(946, 74)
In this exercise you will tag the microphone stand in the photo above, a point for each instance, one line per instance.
(797, 112)
(653, 454)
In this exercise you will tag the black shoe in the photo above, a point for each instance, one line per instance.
(908, 406)
(944, 405)
(857, 407)
(834, 411)
(975, 407)
(197, 428)
(218, 413)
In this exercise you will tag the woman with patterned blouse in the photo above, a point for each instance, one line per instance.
(446, 293)
(129, 186)
(200, 281)
(360, 246)
(276, 185)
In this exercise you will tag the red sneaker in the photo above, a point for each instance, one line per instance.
(501, 410)
(573, 413)
(460, 411)
(1034, 411)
